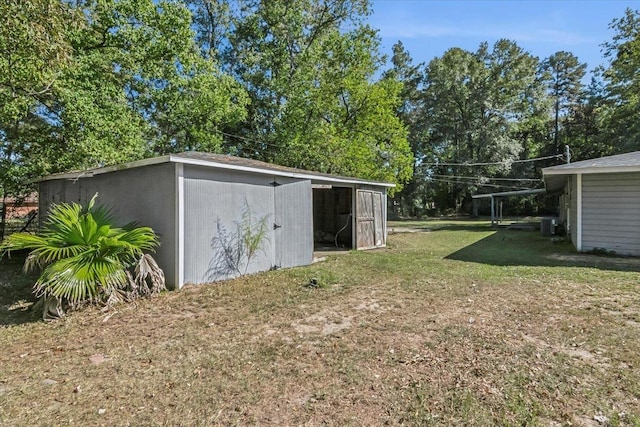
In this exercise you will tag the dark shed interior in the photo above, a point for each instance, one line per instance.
(332, 218)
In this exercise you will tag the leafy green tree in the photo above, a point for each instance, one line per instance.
(584, 131)
(562, 72)
(474, 102)
(412, 200)
(84, 257)
(212, 20)
(314, 100)
(346, 124)
(269, 46)
(622, 83)
(34, 52)
(107, 82)
(143, 57)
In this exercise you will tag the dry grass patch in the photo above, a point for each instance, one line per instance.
(462, 325)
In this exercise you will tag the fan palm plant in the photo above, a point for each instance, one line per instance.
(84, 257)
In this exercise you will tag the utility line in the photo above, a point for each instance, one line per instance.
(556, 156)
(244, 138)
(267, 147)
(512, 187)
(487, 178)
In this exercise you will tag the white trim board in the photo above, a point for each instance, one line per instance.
(585, 170)
(579, 212)
(179, 261)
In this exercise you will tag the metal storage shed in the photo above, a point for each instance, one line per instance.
(600, 202)
(191, 199)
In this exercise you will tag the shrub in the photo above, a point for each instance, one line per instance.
(84, 258)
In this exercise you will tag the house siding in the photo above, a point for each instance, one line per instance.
(145, 195)
(611, 212)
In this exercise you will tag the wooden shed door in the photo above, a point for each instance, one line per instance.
(293, 225)
(370, 219)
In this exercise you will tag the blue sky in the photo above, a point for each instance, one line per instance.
(427, 28)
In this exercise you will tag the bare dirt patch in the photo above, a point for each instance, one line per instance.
(324, 323)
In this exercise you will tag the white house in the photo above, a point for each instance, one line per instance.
(600, 202)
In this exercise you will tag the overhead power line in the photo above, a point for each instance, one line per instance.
(556, 156)
(512, 187)
(480, 178)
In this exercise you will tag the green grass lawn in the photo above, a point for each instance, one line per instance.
(458, 325)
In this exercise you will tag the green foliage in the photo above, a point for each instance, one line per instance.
(476, 104)
(585, 124)
(142, 56)
(562, 72)
(110, 81)
(34, 52)
(93, 83)
(315, 103)
(81, 254)
(623, 83)
(297, 82)
(416, 193)
(345, 124)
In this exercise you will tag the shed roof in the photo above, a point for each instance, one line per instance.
(221, 161)
(556, 176)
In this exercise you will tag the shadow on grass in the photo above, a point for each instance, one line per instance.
(16, 294)
(530, 248)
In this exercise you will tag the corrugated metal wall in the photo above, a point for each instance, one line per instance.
(294, 224)
(145, 195)
(214, 204)
(218, 202)
(611, 212)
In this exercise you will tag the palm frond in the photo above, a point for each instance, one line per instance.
(149, 276)
(20, 241)
(44, 250)
(142, 238)
(85, 258)
(80, 278)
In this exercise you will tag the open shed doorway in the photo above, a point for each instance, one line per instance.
(332, 218)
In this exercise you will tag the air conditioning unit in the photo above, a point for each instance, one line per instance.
(548, 226)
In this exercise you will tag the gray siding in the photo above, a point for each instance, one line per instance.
(145, 195)
(294, 219)
(214, 203)
(611, 212)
